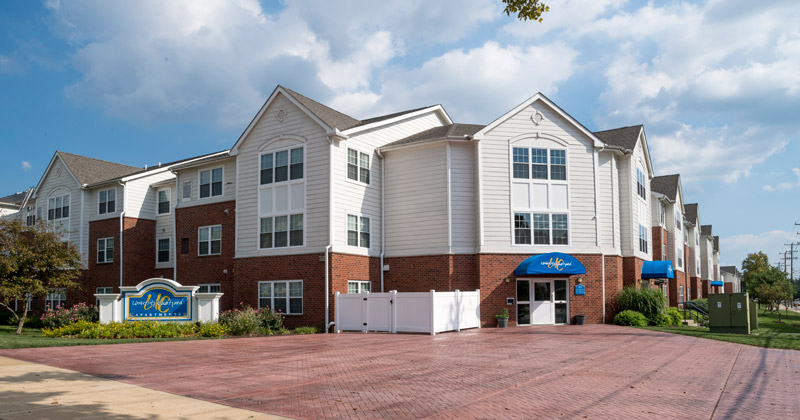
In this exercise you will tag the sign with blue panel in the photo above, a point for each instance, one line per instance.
(158, 302)
(580, 289)
(551, 263)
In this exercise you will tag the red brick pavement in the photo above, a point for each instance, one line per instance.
(591, 371)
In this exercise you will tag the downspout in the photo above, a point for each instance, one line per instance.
(330, 235)
(383, 212)
(80, 230)
(175, 232)
(597, 227)
(121, 228)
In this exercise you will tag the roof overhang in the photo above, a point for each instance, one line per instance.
(204, 160)
(47, 171)
(436, 108)
(427, 142)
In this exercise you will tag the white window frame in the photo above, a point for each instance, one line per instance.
(30, 216)
(548, 164)
(100, 201)
(550, 228)
(662, 209)
(288, 231)
(359, 285)
(681, 294)
(105, 250)
(102, 291)
(641, 183)
(64, 198)
(168, 191)
(49, 299)
(209, 227)
(183, 189)
(169, 250)
(208, 287)
(288, 182)
(210, 183)
(643, 242)
(678, 220)
(680, 256)
(359, 166)
(359, 218)
(288, 297)
(289, 179)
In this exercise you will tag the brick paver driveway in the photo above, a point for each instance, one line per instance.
(593, 371)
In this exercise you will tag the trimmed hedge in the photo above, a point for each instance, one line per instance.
(630, 318)
(138, 329)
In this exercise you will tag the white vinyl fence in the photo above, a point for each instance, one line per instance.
(419, 312)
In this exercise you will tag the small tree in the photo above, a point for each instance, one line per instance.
(772, 287)
(752, 266)
(33, 260)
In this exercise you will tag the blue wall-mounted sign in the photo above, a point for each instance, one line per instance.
(556, 263)
(580, 289)
(158, 302)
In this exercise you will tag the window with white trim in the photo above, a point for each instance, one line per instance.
(58, 207)
(211, 183)
(678, 220)
(107, 201)
(662, 213)
(538, 166)
(642, 239)
(102, 291)
(186, 191)
(641, 181)
(209, 240)
(282, 296)
(663, 252)
(105, 250)
(280, 166)
(56, 298)
(358, 231)
(281, 231)
(357, 166)
(548, 229)
(209, 288)
(680, 256)
(681, 295)
(358, 286)
(162, 253)
(697, 237)
(30, 219)
(163, 201)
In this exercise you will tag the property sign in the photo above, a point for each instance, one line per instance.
(158, 301)
(580, 289)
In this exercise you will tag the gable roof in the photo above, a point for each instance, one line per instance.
(330, 116)
(667, 185)
(15, 199)
(449, 131)
(91, 171)
(729, 269)
(624, 137)
(690, 210)
(705, 229)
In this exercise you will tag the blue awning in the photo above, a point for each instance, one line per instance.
(717, 283)
(550, 263)
(657, 270)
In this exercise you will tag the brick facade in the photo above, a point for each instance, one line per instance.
(659, 243)
(632, 271)
(432, 272)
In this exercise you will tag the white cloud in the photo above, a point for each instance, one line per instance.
(783, 186)
(25, 165)
(734, 249)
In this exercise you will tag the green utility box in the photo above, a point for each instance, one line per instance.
(729, 313)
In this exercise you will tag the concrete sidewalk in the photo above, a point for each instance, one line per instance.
(34, 391)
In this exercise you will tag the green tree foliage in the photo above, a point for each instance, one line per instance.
(755, 263)
(526, 9)
(773, 287)
(33, 260)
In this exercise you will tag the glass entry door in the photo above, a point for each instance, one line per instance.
(542, 302)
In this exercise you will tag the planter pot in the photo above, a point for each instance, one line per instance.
(502, 322)
(580, 319)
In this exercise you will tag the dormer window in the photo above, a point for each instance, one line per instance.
(107, 201)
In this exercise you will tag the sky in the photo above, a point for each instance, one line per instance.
(715, 83)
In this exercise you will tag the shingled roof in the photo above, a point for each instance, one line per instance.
(15, 199)
(716, 243)
(691, 212)
(91, 171)
(624, 137)
(436, 133)
(667, 185)
(705, 229)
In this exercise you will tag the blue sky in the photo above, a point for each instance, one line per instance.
(715, 83)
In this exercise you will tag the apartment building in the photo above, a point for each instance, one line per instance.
(692, 223)
(309, 202)
(707, 260)
(732, 279)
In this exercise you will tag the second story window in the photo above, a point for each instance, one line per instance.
(678, 220)
(186, 191)
(357, 231)
(536, 163)
(548, 229)
(642, 238)
(640, 184)
(662, 213)
(107, 201)
(211, 183)
(281, 166)
(58, 207)
(30, 219)
(281, 231)
(105, 250)
(209, 240)
(357, 166)
(162, 255)
(163, 201)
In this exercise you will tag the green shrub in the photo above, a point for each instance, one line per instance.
(644, 301)
(675, 316)
(630, 318)
(137, 329)
(270, 320)
(306, 330)
(244, 321)
(659, 320)
(54, 318)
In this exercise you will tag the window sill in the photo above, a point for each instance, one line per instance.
(210, 255)
(104, 262)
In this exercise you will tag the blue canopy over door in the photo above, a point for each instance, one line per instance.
(657, 270)
(556, 263)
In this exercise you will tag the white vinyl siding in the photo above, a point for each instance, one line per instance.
(188, 180)
(60, 182)
(464, 201)
(609, 203)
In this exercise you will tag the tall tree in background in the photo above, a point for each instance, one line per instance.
(773, 287)
(526, 9)
(754, 264)
(33, 261)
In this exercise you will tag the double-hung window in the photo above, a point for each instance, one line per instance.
(357, 166)
(662, 213)
(282, 296)
(281, 231)
(547, 229)
(105, 250)
(534, 163)
(281, 166)
(678, 219)
(642, 238)
(358, 286)
(30, 219)
(56, 298)
(163, 201)
(358, 231)
(186, 191)
(209, 240)
(680, 256)
(211, 183)
(58, 207)
(162, 254)
(640, 184)
(107, 201)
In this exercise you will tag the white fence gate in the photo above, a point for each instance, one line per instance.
(422, 312)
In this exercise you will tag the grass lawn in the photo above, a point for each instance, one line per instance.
(770, 333)
(32, 337)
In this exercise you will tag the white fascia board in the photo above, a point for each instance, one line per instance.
(436, 108)
(235, 149)
(424, 143)
(47, 171)
(643, 138)
(540, 97)
(204, 160)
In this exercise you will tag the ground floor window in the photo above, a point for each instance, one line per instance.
(646, 284)
(102, 291)
(358, 286)
(285, 296)
(680, 294)
(209, 288)
(56, 298)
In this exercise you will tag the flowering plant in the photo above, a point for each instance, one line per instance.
(61, 315)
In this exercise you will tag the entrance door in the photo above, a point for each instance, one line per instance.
(542, 304)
